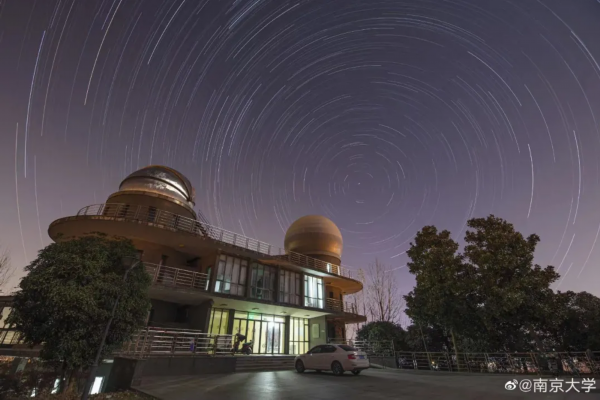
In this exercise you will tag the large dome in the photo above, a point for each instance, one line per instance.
(162, 180)
(315, 236)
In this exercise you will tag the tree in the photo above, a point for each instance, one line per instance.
(384, 331)
(6, 269)
(67, 298)
(382, 300)
(444, 297)
(513, 294)
(575, 323)
(426, 338)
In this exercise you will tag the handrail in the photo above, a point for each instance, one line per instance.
(340, 306)
(178, 277)
(156, 342)
(178, 222)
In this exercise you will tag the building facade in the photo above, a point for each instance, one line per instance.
(212, 280)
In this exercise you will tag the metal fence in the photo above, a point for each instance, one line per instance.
(340, 306)
(180, 223)
(178, 277)
(574, 363)
(157, 342)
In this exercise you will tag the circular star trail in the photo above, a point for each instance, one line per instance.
(383, 115)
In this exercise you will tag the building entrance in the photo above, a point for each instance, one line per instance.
(267, 332)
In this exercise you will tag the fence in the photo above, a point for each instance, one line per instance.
(157, 342)
(180, 223)
(574, 363)
(178, 277)
(340, 306)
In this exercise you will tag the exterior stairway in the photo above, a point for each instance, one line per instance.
(264, 363)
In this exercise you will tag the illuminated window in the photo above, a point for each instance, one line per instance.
(231, 275)
(219, 320)
(299, 340)
(289, 287)
(262, 283)
(313, 292)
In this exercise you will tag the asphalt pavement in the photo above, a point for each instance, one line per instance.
(371, 384)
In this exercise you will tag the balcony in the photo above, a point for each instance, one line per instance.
(156, 342)
(183, 224)
(340, 306)
(177, 277)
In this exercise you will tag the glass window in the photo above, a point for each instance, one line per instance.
(231, 275)
(262, 283)
(298, 335)
(289, 287)
(313, 291)
(219, 319)
(346, 348)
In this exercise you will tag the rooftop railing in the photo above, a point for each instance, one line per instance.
(177, 222)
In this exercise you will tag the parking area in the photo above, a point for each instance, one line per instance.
(371, 384)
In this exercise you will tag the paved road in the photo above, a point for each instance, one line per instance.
(372, 384)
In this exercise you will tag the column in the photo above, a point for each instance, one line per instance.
(230, 322)
(277, 283)
(213, 273)
(302, 294)
(248, 280)
(286, 336)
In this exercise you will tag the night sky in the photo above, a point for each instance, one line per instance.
(383, 115)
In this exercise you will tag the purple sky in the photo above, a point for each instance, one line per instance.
(383, 115)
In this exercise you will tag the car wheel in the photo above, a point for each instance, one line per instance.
(356, 372)
(337, 368)
(299, 366)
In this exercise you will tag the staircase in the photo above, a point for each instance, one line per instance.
(264, 363)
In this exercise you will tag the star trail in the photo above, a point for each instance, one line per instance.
(383, 115)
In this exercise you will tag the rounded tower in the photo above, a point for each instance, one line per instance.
(315, 236)
(157, 186)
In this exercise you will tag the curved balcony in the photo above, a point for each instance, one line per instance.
(177, 277)
(349, 310)
(152, 215)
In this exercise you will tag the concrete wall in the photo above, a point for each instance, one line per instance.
(153, 254)
(322, 339)
(129, 372)
(199, 316)
(152, 200)
(163, 312)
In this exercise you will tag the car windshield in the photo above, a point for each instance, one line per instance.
(347, 348)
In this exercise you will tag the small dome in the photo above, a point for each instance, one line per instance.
(314, 235)
(162, 180)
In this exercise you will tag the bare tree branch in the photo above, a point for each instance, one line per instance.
(383, 301)
(6, 268)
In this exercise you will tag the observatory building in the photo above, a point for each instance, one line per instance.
(207, 279)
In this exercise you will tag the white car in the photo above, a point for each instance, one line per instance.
(333, 357)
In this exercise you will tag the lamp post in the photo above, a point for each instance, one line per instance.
(129, 263)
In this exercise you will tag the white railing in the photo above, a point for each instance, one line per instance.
(178, 277)
(340, 306)
(169, 342)
(180, 223)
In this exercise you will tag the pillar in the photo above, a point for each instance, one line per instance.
(286, 336)
(213, 274)
(277, 283)
(199, 316)
(302, 286)
(230, 320)
(248, 280)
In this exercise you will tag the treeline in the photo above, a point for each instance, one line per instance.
(490, 297)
